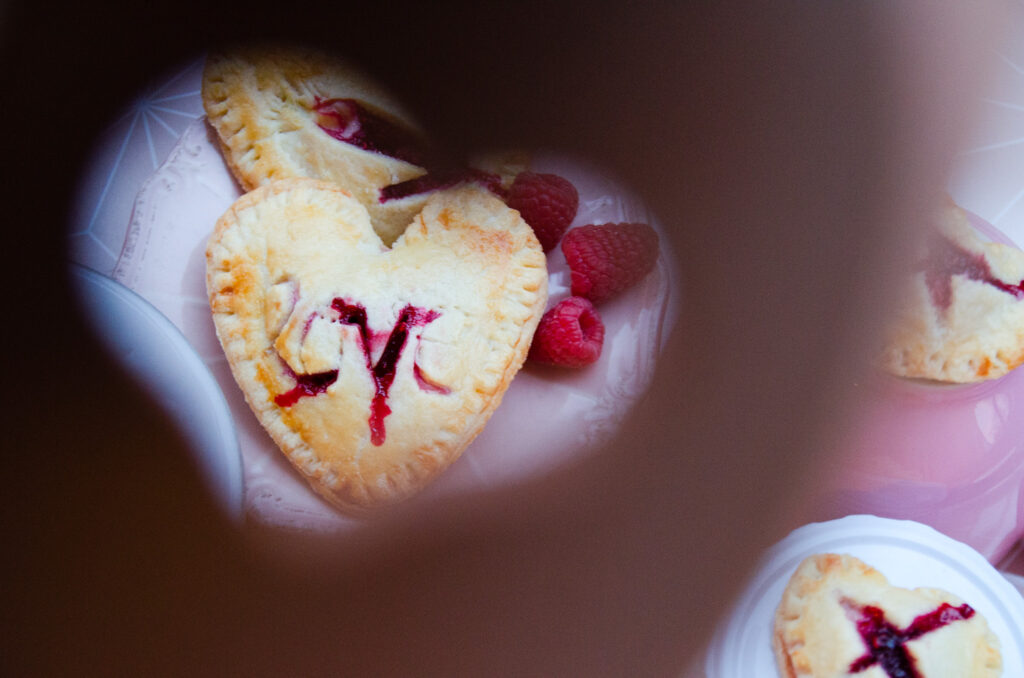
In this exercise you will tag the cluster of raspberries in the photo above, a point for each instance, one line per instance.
(604, 260)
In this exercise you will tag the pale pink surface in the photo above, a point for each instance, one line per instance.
(948, 456)
(548, 415)
(951, 456)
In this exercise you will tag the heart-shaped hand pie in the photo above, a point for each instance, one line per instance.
(283, 112)
(373, 368)
(841, 617)
(963, 317)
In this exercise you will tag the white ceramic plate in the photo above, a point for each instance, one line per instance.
(152, 349)
(909, 554)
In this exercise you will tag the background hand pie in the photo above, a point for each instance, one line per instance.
(963, 317)
(373, 368)
(840, 617)
(292, 112)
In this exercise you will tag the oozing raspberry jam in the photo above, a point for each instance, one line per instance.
(438, 179)
(349, 121)
(946, 259)
(887, 644)
(383, 372)
(306, 385)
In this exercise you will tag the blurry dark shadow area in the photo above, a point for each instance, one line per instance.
(785, 148)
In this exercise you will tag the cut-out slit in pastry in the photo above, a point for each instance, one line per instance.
(887, 644)
(438, 179)
(839, 616)
(381, 370)
(947, 259)
(306, 385)
(350, 121)
(427, 384)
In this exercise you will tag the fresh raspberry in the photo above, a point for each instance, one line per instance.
(570, 335)
(547, 202)
(609, 258)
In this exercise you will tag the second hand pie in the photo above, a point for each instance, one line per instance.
(840, 617)
(373, 368)
(285, 112)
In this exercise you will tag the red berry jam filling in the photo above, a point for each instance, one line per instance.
(886, 644)
(439, 179)
(383, 372)
(349, 121)
(305, 385)
(946, 259)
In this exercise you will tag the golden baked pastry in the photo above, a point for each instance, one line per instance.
(840, 617)
(373, 368)
(283, 112)
(962, 319)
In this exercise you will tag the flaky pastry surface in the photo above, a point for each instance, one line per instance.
(815, 633)
(282, 261)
